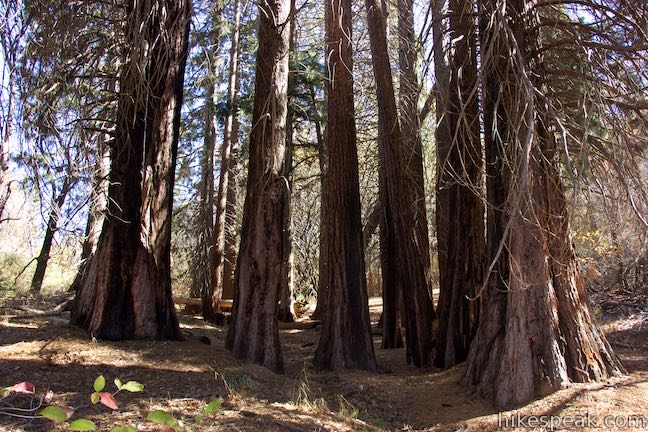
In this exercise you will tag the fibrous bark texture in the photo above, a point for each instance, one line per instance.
(459, 186)
(126, 290)
(345, 340)
(254, 333)
(539, 334)
(413, 269)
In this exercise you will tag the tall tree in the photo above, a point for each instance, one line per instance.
(126, 291)
(323, 263)
(460, 182)
(540, 334)
(413, 255)
(286, 301)
(253, 332)
(211, 299)
(345, 340)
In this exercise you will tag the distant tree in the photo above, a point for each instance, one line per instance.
(211, 309)
(253, 333)
(345, 340)
(126, 290)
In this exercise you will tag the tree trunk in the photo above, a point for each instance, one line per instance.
(5, 185)
(229, 266)
(126, 291)
(96, 209)
(345, 341)
(460, 180)
(254, 332)
(539, 335)
(201, 273)
(286, 301)
(442, 133)
(413, 256)
(50, 230)
(210, 300)
(323, 263)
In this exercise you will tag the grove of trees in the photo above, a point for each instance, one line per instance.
(447, 156)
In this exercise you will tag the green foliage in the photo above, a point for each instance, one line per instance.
(54, 413)
(58, 415)
(82, 425)
(100, 383)
(131, 386)
(163, 418)
(213, 406)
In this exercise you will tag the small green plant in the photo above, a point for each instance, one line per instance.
(60, 417)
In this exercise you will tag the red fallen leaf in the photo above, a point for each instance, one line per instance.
(23, 387)
(169, 429)
(108, 400)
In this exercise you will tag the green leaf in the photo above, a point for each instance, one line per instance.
(118, 383)
(99, 383)
(213, 406)
(95, 397)
(54, 413)
(123, 429)
(160, 417)
(82, 425)
(132, 386)
(5, 391)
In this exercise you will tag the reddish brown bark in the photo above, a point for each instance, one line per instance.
(539, 335)
(459, 187)
(413, 255)
(126, 291)
(345, 340)
(253, 332)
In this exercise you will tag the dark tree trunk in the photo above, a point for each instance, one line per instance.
(229, 266)
(286, 301)
(345, 340)
(413, 270)
(126, 291)
(460, 182)
(442, 133)
(323, 263)
(254, 332)
(210, 300)
(539, 335)
(50, 230)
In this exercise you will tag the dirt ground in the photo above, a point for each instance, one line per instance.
(181, 377)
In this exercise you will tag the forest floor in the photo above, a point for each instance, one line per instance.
(181, 377)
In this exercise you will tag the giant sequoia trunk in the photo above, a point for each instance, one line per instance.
(254, 332)
(459, 185)
(211, 299)
(539, 335)
(345, 341)
(413, 255)
(126, 291)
